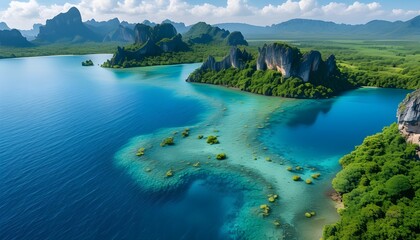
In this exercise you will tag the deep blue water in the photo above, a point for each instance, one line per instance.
(60, 126)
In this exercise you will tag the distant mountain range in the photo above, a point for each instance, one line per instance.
(13, 38)
(68, 27)
(304, 28)
(3, 26)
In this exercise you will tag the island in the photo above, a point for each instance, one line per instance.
(163, 45)
(87, 63)
(379, 184)
(278, 70)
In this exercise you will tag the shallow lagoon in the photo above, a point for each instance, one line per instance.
(70, 134)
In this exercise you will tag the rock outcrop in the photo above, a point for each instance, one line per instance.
(279, 57)
(103, 28)
(235, 59)
(174, 44)
(144, 33)
(180, 27)
(150, 41)
(121, 34)
(291, 63)
(409, 117)
(13, 38)
(204, 33)
(236, 38)
(66, 27)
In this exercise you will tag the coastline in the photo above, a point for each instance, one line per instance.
(337, 199)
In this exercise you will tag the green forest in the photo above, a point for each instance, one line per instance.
(198, 53)
(59, 49)
(387, 64)
(380, 185)
(270, 83)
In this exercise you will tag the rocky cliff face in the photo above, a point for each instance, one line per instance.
(205, 34)
(174, 44)
(150, 41)
(235, 39)
(291, 63)
(235, 59)
(66, 27)
(13, 38)
(144, 33)
(279, 57)
(121, 34)
(409, 117)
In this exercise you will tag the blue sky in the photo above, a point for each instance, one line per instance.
(388, 4)
(23, 13)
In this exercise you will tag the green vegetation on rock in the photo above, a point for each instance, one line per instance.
(242, 73)
(296, 178)
(315, 175)
(140, 152)
(272, 197)
(212, 140)
(87, 63)
(186, 132)
(169, 173)
(167, 141)
(221, 156)
(380, 187)
(265, 210)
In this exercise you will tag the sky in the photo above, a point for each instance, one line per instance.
(22, 14)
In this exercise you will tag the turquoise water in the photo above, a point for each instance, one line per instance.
(312, 132)
(64, 130)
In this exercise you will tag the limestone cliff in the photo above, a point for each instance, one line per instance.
(66, 27)
(204, 33)
(13, 38)
(291, 63)
(409, 117)
(121, 34)
(149, 41)
(236, 38)
(235, 59)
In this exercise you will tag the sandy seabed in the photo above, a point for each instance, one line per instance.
(237, 119)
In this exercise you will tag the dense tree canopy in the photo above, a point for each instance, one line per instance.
(380, 185)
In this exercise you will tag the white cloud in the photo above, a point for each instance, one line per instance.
(23, 13)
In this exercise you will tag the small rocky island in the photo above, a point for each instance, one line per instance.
(409, 117)
(278, 70)
(87, 63)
